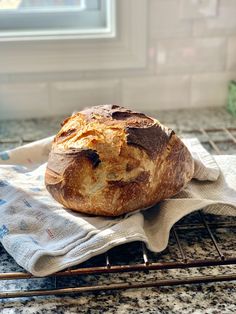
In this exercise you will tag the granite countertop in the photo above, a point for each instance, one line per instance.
(201, 298)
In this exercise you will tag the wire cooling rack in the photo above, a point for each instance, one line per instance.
(208, 255)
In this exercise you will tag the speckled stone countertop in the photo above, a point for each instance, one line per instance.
(201, 298)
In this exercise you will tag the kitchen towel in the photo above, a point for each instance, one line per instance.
(44, 238)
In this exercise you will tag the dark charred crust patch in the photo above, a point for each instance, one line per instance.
(153, 138)
(127, 114)
(93, 156)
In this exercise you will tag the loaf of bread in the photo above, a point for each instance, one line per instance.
(108, 160)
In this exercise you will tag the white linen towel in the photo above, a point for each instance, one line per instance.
(44, 238)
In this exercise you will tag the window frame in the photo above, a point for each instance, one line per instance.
(37, 18)
(127, 49)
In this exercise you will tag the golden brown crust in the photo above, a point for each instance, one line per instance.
(108, 160)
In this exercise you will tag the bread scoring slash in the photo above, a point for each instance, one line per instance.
(108, 160)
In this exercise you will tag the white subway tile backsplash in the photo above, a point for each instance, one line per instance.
(153, 93)
(210, 89)
(67, 97)
(164, 21)
(24, 100)
(190, 55)
(231, 53)
(224, 23)
(191, 9)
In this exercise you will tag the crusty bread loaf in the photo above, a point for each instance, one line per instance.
(108, 160)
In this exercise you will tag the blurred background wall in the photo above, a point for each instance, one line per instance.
(187, 52)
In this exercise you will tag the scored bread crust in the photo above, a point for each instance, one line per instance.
(108, 160)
